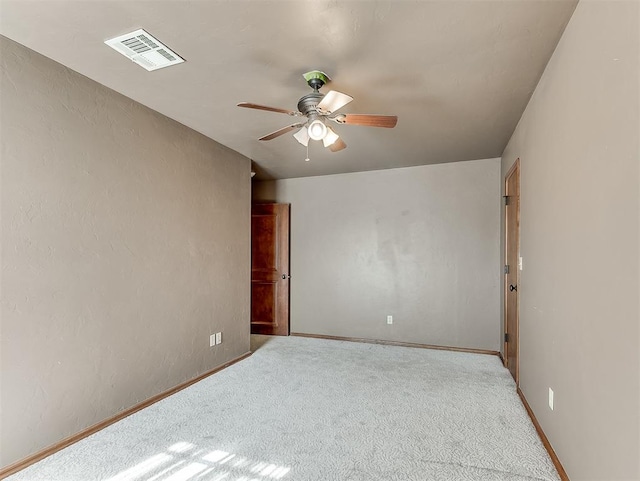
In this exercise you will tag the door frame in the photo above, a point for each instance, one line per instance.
(515, 169)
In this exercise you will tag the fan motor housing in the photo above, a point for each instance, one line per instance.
(309, 103)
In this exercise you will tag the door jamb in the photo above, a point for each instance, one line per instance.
(516, 165)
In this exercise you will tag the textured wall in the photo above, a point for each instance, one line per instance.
(579, 313)
(125, 243)
(419, 243)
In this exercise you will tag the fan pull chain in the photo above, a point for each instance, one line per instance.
(307, 159)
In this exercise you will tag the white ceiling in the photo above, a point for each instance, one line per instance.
(458, 74)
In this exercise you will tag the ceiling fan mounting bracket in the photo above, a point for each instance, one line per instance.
(316, 79)
(315, 83)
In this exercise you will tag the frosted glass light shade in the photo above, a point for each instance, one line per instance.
(330, 138)
(302, 136)
(317, 130)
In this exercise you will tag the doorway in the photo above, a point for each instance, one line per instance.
(270, 269)
(512, 270)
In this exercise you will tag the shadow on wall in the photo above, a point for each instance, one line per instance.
(260, 173)
(257, 341)
(264, 191)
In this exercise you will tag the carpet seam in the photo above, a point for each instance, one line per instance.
(498, 471)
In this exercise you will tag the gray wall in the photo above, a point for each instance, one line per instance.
(579, 316)
(419, 243)
(125, 243)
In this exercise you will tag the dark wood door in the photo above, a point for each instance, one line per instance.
(270, 269)
(512, 269)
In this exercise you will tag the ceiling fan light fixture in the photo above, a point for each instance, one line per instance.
(316, 108)
(330, 138)
(302, 136)
(317, 130)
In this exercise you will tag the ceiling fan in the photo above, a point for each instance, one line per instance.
(318, 108)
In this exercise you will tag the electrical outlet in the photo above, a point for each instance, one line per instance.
(212, 340)
(551, 399)
(389, 319)
(218, 338)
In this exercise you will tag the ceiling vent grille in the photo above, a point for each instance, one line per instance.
(145, 50)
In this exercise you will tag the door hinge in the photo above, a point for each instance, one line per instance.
(506, 337)
(506, 199)
(506, 268)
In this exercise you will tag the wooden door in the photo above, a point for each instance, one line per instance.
(512, 269)
(270, 269)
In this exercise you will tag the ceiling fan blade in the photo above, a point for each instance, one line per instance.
(388, 121)
(281, 131)
(337, 146)
(249, 105)
(332, 102)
